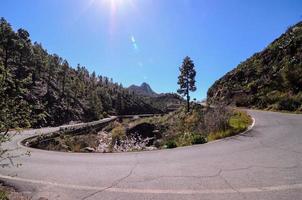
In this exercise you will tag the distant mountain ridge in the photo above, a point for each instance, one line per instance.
(270, 79)
(144, 89)
(163, 101)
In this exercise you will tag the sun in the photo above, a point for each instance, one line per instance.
(115, 9)
(115, 5)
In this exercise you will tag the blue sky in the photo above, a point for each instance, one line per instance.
(135, 41)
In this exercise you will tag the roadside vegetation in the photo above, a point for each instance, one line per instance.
(9, 193)
(3, 194)
(200, 125)
(180, 128)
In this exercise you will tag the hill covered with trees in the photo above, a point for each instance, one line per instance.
(41, 89)
(270, 79)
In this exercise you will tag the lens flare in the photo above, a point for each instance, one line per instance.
(134, 43)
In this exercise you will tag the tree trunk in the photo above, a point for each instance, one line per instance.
(188, 103)
(188, 97)
(188, 100)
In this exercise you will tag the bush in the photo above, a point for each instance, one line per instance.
(239, 121)
(105, 114)
(3, 195)
(198, 139)
(288, 104)
(219, 134)
(118, 134)
(216, 119)
(171, 144)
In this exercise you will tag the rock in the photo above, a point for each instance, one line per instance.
(143, 131)
(104, 142)
(151, 148)
(88, 149)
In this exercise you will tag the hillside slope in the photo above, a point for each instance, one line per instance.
(39, 89)
(270, 79)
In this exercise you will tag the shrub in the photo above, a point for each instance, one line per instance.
(118, 134)
(3, 195)
(239, 121)
(198, 139)
(183, 139)
(288, 104)
(219, 134)
(189, 139)
(105, 114)
(171, 144)
(216, 119)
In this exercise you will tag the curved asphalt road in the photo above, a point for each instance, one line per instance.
(265, 163)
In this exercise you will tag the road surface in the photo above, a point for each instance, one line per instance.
(265, 163)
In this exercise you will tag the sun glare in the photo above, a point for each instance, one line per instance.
(114, 4)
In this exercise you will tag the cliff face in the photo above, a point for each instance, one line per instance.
(270, 79)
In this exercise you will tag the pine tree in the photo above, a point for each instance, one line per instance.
(64, 71)
(186, 79)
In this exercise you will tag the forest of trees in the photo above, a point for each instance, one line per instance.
(40, 89)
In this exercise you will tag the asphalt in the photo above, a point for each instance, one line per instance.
(264, 163)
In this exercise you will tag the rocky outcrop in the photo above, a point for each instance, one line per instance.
(144, 89)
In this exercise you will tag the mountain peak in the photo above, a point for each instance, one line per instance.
(144, 89)
(144, 84)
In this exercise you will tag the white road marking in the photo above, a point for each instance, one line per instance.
(157, 191)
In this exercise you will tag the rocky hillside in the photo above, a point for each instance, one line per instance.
(144, 89)
(42, 89)
(270, 79)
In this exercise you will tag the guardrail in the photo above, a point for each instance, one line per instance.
(101, 123)
(94, 124)
(138, 116)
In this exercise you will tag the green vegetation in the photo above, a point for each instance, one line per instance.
(198, 126)
(270, 79)
(118, 134)
(8, 192)
(176, 129)
(237, 123)
(170, 144)
(3, 195)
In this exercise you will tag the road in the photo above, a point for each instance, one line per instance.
(265, 163)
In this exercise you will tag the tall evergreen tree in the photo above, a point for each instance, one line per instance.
(186, 79)
(63, 74)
